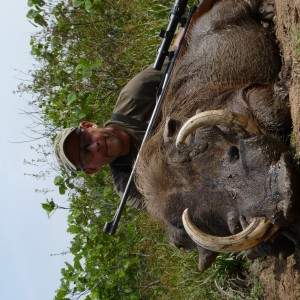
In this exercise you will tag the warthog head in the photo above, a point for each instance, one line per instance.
(220, 183)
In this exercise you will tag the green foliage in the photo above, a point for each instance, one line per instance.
(103, 266)
(49, 206)
(86, 50)
(297, 46)
(36, 13)
(86, 56)
(87, 4)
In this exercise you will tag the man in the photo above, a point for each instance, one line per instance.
(87, 148)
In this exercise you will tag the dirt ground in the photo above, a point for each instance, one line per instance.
(287, 20)
(279, 279)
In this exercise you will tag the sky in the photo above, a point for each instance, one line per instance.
(28, 238)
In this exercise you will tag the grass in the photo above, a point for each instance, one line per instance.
(297, 45)
(294, 144)
(172, 273)
(293, 151)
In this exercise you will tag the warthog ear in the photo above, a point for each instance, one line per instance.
(172, 126)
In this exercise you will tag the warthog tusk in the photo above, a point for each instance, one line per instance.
(259, 230)
(217, 117)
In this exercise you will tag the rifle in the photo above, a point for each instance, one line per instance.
(177, 11)
(175, 18)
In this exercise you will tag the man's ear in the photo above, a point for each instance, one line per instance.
(86, 124)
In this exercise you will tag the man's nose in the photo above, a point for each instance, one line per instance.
(93, 147)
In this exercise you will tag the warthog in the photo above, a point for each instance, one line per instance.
(228, 164)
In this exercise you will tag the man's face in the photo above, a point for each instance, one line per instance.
(91, 147)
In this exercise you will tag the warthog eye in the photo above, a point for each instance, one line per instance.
(233, 153)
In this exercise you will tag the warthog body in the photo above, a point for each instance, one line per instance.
(226, 175)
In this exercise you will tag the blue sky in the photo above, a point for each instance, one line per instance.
(28, 237)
